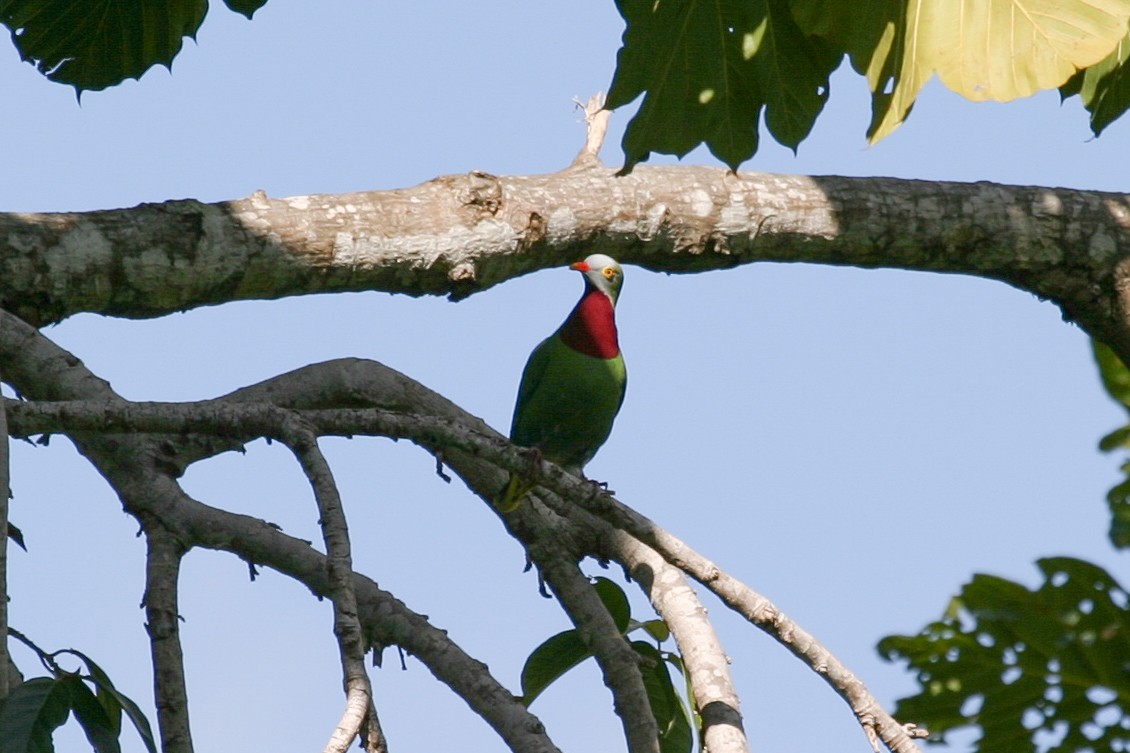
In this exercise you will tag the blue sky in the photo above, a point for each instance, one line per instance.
(852, 443)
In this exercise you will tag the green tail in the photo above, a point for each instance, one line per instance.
(512, 495)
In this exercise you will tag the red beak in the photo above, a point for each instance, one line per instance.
(579, 266)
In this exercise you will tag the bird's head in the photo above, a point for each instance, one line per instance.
(603, 273)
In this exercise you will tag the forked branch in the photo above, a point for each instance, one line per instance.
(141, 469)
(476, 454)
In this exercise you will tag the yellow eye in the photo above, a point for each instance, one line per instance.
(609, 273)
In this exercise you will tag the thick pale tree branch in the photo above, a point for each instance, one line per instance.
(760, 611)
(162, 573)
(457, 235)
(706, 663)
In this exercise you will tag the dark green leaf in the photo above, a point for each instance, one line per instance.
(114, 702)
(93, 44)
(1118, 499)
(1018, 664)
(675, 734)
(31, 713)
(793, 71)
(104, 688)
(708, 69)
(91, 716)
(676, 661)
(246, 7)
(1105, 89)
(615, 601)
(1116, 380)
(873, 36)
(1072, 86)
(1116, 439)
(550, 660)
(133, 711)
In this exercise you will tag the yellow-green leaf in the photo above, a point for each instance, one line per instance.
(981, 49)
(1004, 49)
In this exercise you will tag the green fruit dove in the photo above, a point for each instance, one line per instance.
(574, 381)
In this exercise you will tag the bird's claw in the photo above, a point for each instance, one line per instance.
(602, 485)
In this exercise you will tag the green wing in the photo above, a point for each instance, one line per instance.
(532, 375)
(567, 402)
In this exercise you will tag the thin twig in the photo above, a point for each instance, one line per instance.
(596, 122)
(162, 572)
(300, 437)
(5, 493)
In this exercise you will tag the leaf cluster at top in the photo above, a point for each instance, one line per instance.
(708, 71)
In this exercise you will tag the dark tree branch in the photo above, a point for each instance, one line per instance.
(300, 437)
(162, 573)
(457, 235)
(5, 494)
(375, 741)
(618, 662)
(476, 454)
(469, 446)
(384, 618)
(244, 421)
(138, 469)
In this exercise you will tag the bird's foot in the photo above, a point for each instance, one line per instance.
(602, 485)
(517, 488)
